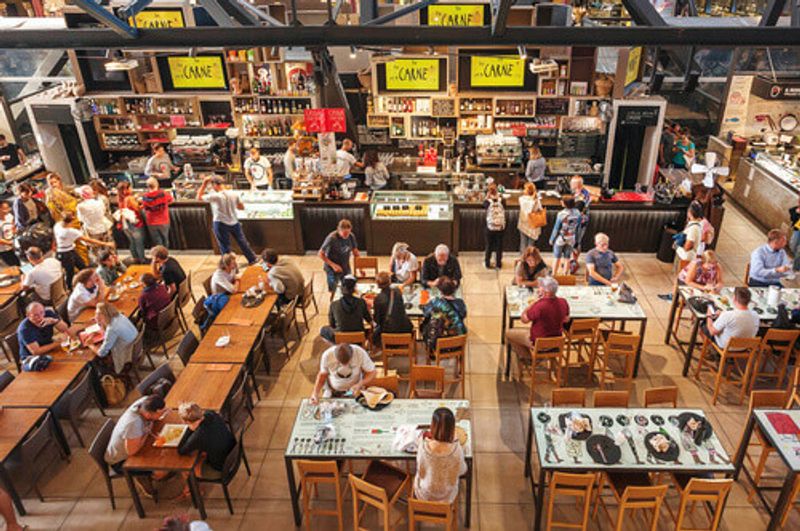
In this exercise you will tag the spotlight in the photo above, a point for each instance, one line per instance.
(523, 53)
(352, 52)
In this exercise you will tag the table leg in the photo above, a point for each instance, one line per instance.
(672, 310)
(738, 460)
(137, 501)
(468, 516)
(690, 347)
(642, 330)
(9, 486)
(197, 495)
(294, 494)
(782, 503)
(537, 522)
(529, 448)
(503, 320)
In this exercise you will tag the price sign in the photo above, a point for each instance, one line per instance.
(315, 120)
(412, 74)
(456, 15)
(204, 72)
(497, 71)
(158, 18)
(325, 120)
(519, 130)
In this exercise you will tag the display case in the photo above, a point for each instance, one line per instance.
(786, 168)
(266, 204)
(412, 206)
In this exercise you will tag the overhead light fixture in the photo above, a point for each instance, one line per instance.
(118, 63)
(353, 52)
(523, 53)
(548, 66)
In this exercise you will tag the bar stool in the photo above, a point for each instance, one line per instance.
(426, 373)
(453, 347)
(568, 396)
(611, 398)
(380, 487)
(578, 486)
(661, 396)
(622, 346)
(437, 513)
(792, 498)
(704, 492)
(393, 345)
(313, 474)
(548, 351)
(776, 349)
(794, 389)
(739, 349)
(632, 492)
(762, 399)
(582, 335)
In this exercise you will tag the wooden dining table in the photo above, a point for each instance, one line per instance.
(235, 314)
(128, 301)
(8, 292)
(207, 384)
(242, 339)
(15, 425)
(41, 388)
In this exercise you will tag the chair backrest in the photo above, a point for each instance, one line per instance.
(655, 396)
(611, 398)
(398, 344)
(621, 344)
(58, 292)
(583, 329)
(364, 491)
(97, 450)
(708, 491)
(308, 294)
(793, 391)
(548, 345)
(566, 280)
(61, 310)
(137, 350)
(367, 264)
(317, 470)
(742, 347)
(39, 441)
(746, 279)
(185, 290)
(635, 498)
(162, 371)
(438, 513)
(568, 396)
(236, 403)
(574, 485)
(233, 460)
(207, 285)
(767, 399)
(10, 314)
(351, 338)
(187, 347)
(780, 341)
(451, 346)
(167, 316)
(79, 395)
(199, 312)
(11, 344)
(426, 373)
(5, 378)
(390, 383)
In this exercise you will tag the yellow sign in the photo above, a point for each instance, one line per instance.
(497, 71)
(632, 71)
(455, 15)
(205, 72)
(412, 74)
(157, 19)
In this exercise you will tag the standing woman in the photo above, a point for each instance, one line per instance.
(405, 265)
(375, 171)
(101, 192)
(537, 164)
(495, 227)
(684, 150)
(529, 203)
(129, 220)
(67, 240)
(440, 460)
(61, 202)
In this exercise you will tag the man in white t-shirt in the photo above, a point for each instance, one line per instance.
(45, 271)
(88, 291)
(258, 170)
(66, 237)
(343, 369)
(224, 204)
(739, 322)
(345, 159)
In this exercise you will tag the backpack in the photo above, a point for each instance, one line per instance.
(495, 215)
(213, 305)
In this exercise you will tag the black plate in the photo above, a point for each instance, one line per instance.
(562, 422)
(543, 417)
(658, 420)
(669, 455)
(606, 421)
(623, 420)
(363, 402)
(702, 434)
(611, 453)
(641, 420)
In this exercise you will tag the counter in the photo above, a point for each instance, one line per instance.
(766, 189)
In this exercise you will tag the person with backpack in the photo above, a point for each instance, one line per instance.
(689, 241)
(495, 227)
(582, 201)
(564, 234)
(444, 315)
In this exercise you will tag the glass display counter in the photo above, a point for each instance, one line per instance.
(411, 206)
(781, 168)
(266, 204)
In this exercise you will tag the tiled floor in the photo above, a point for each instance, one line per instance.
(75, 495)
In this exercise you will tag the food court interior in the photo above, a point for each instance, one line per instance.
(654, 175)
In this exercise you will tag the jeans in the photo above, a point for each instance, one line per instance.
(753, 283)
(223, 234)
(334, 278)
(136, 238)
(494, 244)
(71, 262)
(328, 334)
(794, 246)
(525, 241)
(159, 234)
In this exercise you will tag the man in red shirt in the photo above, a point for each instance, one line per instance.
(547, 316)
(156, 212)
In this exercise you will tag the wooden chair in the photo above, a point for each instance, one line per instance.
(622, 346)
(792, 499)
(738, 350)
(365, 264)
(632, 492)
(746, 279)
(547, 352)
(313, 474)
(5, 379)
(187, 346)
(762, 399)
(704, 492)
(578, 486)
(207, 285)
(282, 324)
(568, 396)
(582, 336)
(183, 295)
(611, 398)
(566, 280)
(11, 348)
(437, 513)
(794, 389)
(352, 338)
(453, 347)
(380, 487)
(167, 326)
(659, 396)
(9, 319)
(229, 469)
(426, 373)
(776, 349)
(97, 452)
(75, 402)
(393, 345)
(390, 383)
(307, 299)
(58, 292)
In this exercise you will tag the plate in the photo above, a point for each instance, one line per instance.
(461, 435)
(133, 285)
(7, 282)
(672, 452)
(603, 450)
(113, 297)
(172, 435)
(223, 341)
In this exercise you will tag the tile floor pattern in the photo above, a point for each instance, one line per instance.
(75, 495)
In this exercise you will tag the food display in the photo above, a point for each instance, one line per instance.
(412, 206)
(266, 204)
(420, 211)
(786, 168)
(171, 435)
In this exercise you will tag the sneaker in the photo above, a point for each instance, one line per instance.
(665, 296)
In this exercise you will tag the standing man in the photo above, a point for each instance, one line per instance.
(289, 161)
(160, 165)
(345, 159)
(156, 212)
(769, 263)
(602, 265)
(11, 155)
(224, 204)
(258, 170)
(336, 251)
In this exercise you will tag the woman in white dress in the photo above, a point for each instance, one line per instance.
(528, 203)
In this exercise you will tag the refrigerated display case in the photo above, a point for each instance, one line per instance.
(411, 206)
(266, 204)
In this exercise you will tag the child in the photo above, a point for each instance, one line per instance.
(564, 231)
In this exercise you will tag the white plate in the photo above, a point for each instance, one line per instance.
(113, 297)
(175, 432)
(223, 341)
(133, 285)
(6, 282)
(93, 329)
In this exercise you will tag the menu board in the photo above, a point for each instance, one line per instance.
(412, 75)
(158, 19)
(489, 71)
(552, 106)
(201, 72)
(638, 115)
(455, 15)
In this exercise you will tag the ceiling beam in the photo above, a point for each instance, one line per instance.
(153, 39)
(772, 13)
(501, 8)
(644, 13)
(403, 11)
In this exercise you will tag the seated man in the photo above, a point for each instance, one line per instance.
(602, 265)
(45, 271)
(440, 264)
(35, 332)
(346, 314)
(769, 263)
(343, 369)
(547, 316)
(739, 322)
(284, 276)
(153, 299)
(88, 291)
(110, 268)
(167, 268)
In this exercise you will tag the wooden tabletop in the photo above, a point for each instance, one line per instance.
(237, 315)
(150, 457)
(251, 276)
(241, 341)
(41, 389)
(15, 424)
(13, 288)
(206, 384)
(128, 301)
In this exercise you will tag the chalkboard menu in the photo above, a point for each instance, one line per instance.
(579, 145)
(552, 106)
(638, 115)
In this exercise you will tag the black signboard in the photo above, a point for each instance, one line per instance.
(638, 115)
(780, 89)
(552, 106)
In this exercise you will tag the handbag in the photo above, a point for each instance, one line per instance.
(626, 294)
(538, 218)
(113, 388)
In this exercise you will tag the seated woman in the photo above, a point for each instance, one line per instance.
(389, 310)
(440, 460)
(346, 314)
(530, 268)
(444, 315)
(120, 333)
(224, 278)
(703, 273)
(88, 291)
(405, 265)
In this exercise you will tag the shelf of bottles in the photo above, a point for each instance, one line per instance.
(259, 126)
(424, 128)
(403, 105)
(121, 142)
(475, 106)
(271, 106)
(114, 124)
(517, 107)
(398, 127)
(159, 106)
